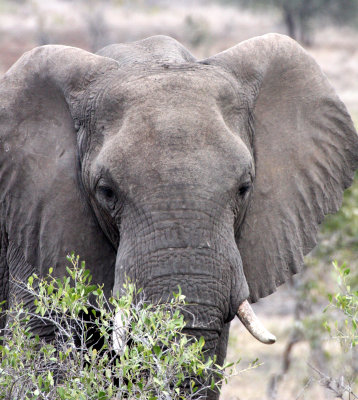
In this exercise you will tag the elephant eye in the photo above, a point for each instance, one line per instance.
(106, 192)
(107, 195)
(245, 188)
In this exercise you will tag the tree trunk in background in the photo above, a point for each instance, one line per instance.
(290, 23)
(305, 27)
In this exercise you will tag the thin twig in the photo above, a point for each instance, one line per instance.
(337, 386)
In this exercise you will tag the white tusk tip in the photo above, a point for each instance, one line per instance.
(253, 324)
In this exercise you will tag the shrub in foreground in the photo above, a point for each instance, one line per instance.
(153, 358)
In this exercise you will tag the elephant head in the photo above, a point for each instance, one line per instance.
(212, 175)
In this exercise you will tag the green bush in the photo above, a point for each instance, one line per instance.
(345, 304)
(155, 359)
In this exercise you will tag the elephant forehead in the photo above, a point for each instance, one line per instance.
(178, 150)
(175, 126)
(172, 107)
(178, 84)
(162, 88)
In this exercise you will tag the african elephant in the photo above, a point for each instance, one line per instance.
(209, 174)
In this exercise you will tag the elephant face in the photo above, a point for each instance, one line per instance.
(212, 175)
(172, 177)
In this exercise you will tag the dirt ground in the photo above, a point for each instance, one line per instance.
(205, 29)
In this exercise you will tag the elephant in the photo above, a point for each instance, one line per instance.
(210, 174)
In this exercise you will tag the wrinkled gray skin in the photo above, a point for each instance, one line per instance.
(213, 175)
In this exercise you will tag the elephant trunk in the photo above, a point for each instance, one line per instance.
(170, 245)
(207, 296)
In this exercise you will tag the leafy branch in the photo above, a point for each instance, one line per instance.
(143, 355)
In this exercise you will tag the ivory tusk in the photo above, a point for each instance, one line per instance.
(253, 325)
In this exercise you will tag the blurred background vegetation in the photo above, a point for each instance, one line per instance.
(303, 17)
(306, 362)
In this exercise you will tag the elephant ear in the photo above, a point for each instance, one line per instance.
(43, 208)
(305, 150)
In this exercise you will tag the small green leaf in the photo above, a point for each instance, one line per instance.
(157, 350)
